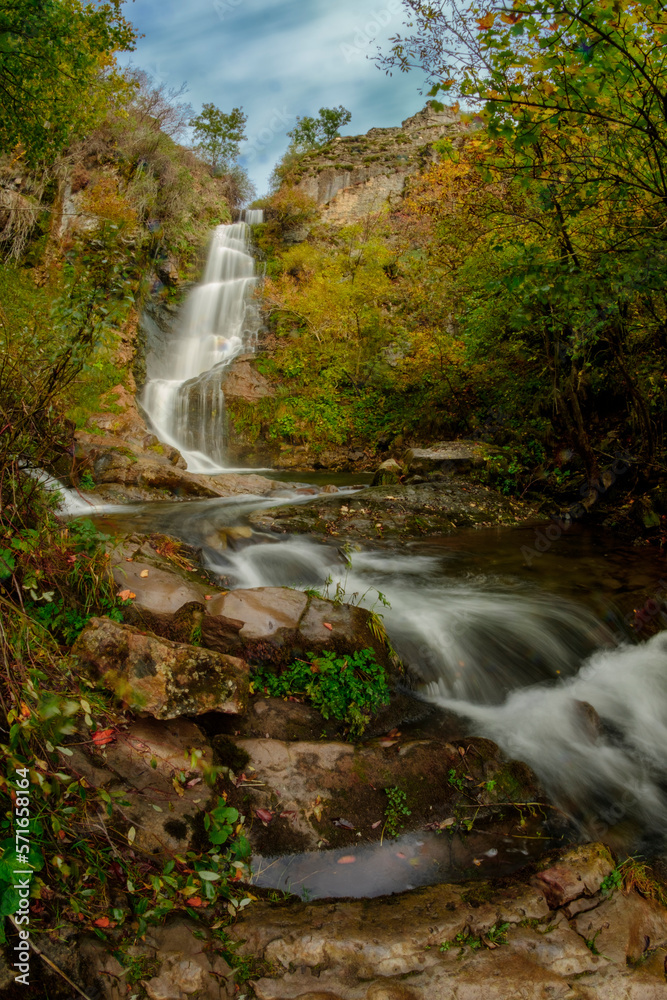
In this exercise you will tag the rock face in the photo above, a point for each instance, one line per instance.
(355, 175)
(418, 946)
(165, 679)
(307, 786)
(243, 381)
(400, 512)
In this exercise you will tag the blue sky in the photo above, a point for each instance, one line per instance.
(277, 60)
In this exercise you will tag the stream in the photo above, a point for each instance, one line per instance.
(539, 658)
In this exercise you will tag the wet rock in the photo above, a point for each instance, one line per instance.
(181, 962)
(157, 589)
(624, 927)
(165, 679)
(581, 875)
(390, 948)
(243, 381)
(307, 786)
(450, 457)
(142, 764)
(398, 512)
(280, 624)
(387, 473)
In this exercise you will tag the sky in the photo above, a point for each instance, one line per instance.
(276, 60)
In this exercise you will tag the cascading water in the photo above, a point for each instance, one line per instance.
(183, 397)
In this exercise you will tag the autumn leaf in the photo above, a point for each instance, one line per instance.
(126, 595)
(347, 859)
(327, 625)
(487, 21)
(102, 922)
(143, 574)
(264, 814)
(103, 737)
(193, 901)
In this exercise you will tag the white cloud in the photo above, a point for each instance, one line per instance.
(277, 60)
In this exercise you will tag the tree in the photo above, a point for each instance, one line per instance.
(157, 106)
(311, 133)
(218, 136)
(56, 70)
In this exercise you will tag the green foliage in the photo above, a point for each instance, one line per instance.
(56, 71)
(396, 808)
(495, 936)
(349, 688)
(218, 134)
(634, 875)
(86, 481)
(312, 133)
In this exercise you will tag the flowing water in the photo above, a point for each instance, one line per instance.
(183, 397)
(538, 658)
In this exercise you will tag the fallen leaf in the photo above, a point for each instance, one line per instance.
(126, 595)
(192, 782)
(347, 859)
(264, 814)
(208, 597)
(288, 813)
(387, 743)
(462, 751)
(104, 736)
(447, 822)
(344, 823)
(399, 854)
(374, 826)
(327, 625)
(477, 861)
(193, 901)
(102, 922)
(394, 733)
(143, 574)
(489, 944)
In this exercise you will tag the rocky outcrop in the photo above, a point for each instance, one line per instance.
(355, 175)
(398, 512)
(165, 679)
(472, 941)
(242, 381)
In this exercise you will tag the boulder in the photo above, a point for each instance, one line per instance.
(165, 679)
(157, 589)
(387, 473)
(449, 457)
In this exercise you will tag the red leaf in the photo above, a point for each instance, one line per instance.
(327, 625)
(264, 814)
(102, 922)
(193, 901)
(104, 736)
(348, 859)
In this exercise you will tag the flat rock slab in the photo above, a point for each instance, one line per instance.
(163, 678)
(309, 787)
(398, 512)
(279, 624)
(157, 589)
(143, 763)
(449, 456)
(390, 948)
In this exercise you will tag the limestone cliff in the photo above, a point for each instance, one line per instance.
(355, 175)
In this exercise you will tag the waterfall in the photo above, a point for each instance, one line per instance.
(253, 216)
(183, 397)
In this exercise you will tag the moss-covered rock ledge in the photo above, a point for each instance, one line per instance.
(434, 508)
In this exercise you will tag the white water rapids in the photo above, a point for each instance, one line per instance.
(520, 665)
(183, 397)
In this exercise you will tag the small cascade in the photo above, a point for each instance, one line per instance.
(253, 216)
(183, 397)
